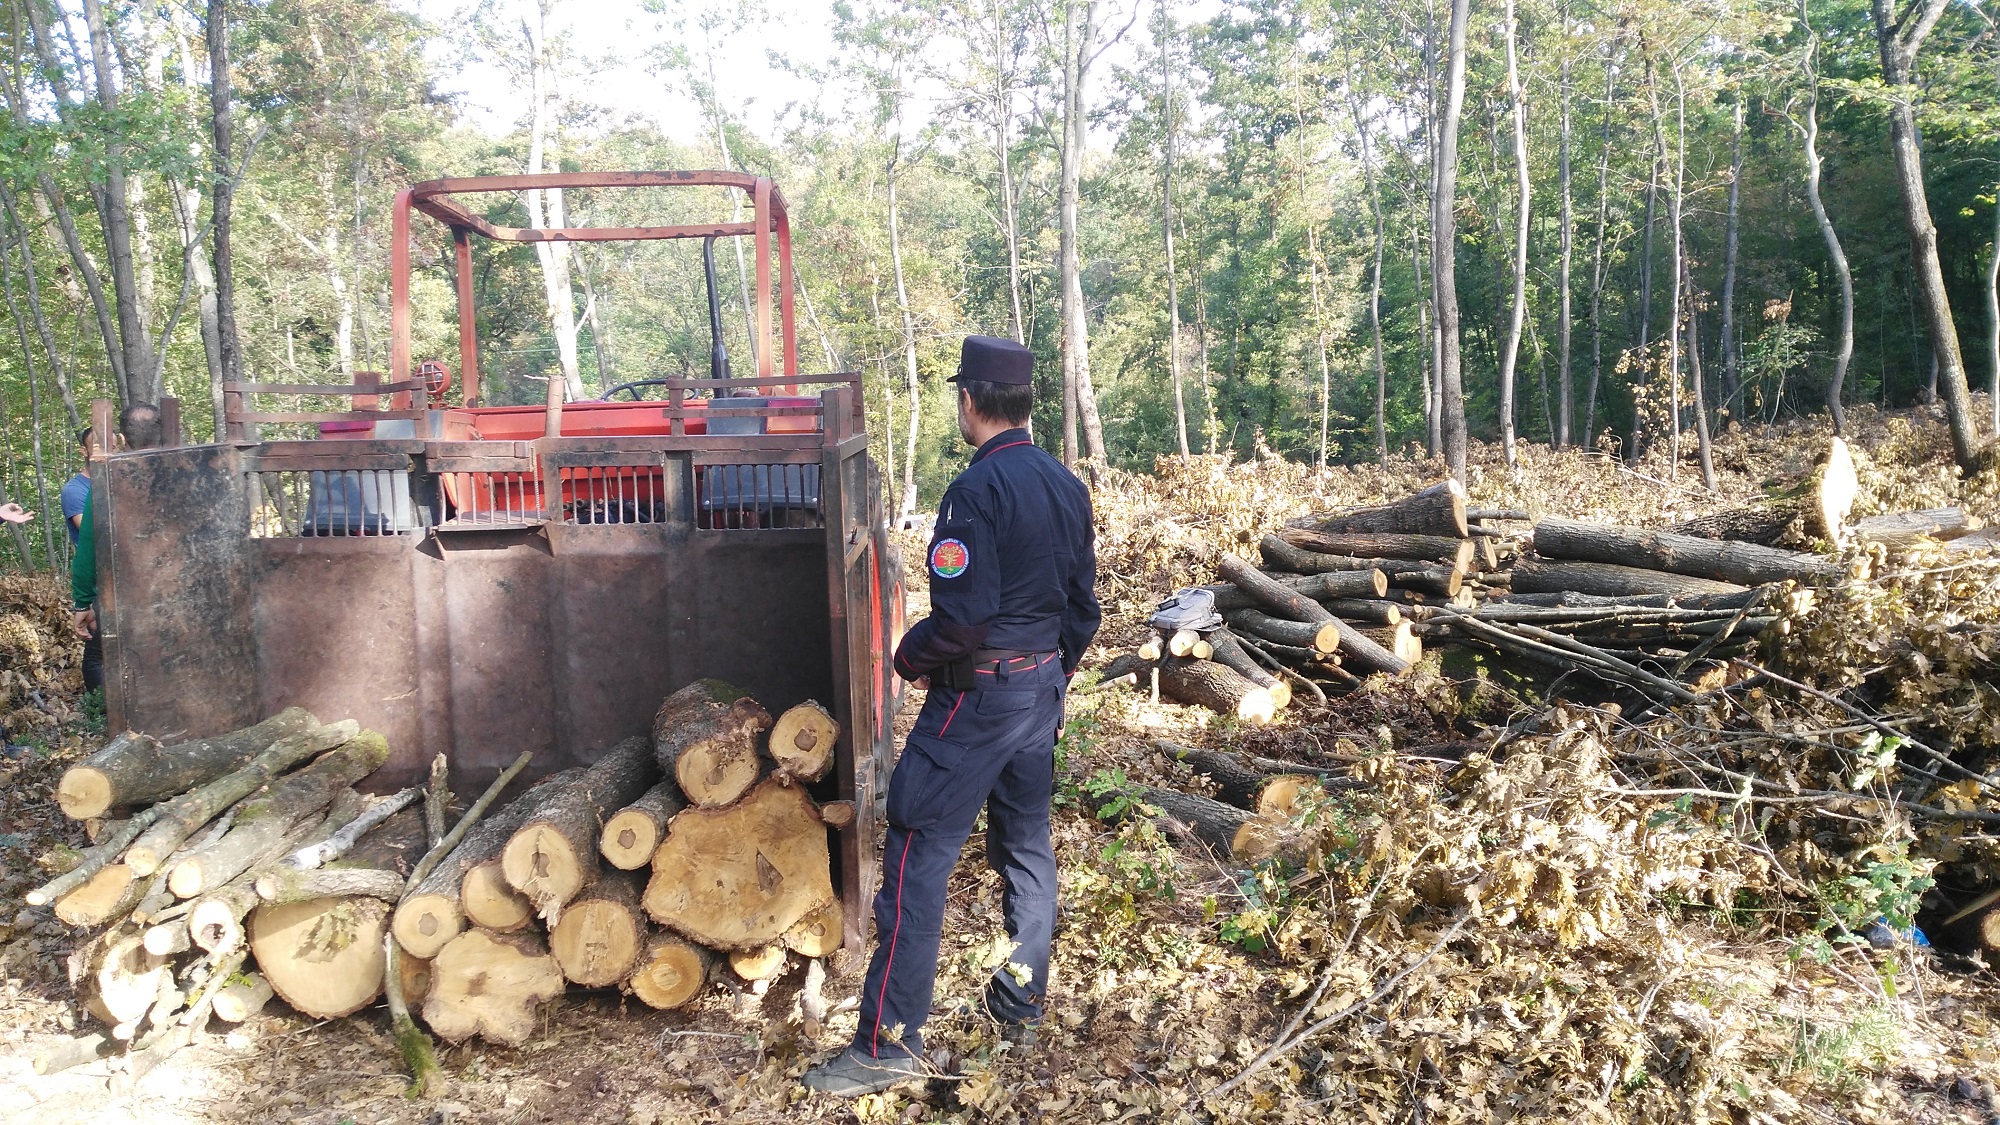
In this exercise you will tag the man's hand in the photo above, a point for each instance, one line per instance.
(923, 682)
(84, 622)
(14, 513)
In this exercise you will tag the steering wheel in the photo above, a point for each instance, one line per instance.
(634, 386)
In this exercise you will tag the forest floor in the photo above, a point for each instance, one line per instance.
(1528, 936)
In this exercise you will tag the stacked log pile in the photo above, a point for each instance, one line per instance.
(1352, 594)
(231, 869)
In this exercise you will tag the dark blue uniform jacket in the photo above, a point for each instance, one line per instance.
(1011, 563)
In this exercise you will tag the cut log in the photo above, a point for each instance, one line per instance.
(1399, 639)
(553, 856)
(134, 769)
(339, 840)
(1817, 505)
(1443, 582)
(263, 822)
(431, 913)
(602, 933)
(491, 985)
(1227, 651)
(739, 877)
(1364, 611)
(753, 965)
(1989, 929)
(671, 972)
(1282, 555)
(1211, 685)
(323, 956)
(1233, 833)
(1541, 576)
(802, 741)
(1362, 654)
(215, 920)
(1903, 529)
(1256, 785)
(1455, 553)
(1320, 636)
(109, 894)
(837, 814)
(1152, 648)
(180, 818)
(1717, 560)
(710, 749)
(819, 933)
(377, 865)
(168, 938)
(242, 999)
(121, 980)
(1370, 583)
(1182, 642)
(72, 1053)
(1437, 510)
(489, 902)
(633, 833)
(415, 975)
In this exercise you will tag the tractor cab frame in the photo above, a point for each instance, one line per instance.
(477, 581)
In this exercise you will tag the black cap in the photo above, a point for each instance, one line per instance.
(995, 360)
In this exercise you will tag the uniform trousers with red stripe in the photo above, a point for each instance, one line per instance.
(991, 747)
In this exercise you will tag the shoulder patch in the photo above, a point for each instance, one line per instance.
(949, 558)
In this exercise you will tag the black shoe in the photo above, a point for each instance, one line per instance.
(851, 1074)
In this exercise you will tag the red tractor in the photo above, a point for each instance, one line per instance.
(481, 580)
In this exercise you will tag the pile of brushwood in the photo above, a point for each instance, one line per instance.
(1621, 845)
(228, 869)
(40, 658)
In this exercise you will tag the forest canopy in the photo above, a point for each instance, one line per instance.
(1222, 227)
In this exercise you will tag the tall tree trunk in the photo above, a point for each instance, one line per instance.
(1652, 210)
(1375, 272)
(1899, 41)
(545, 208)
(114, 209)
(222, 204)
(1674, 200)
(1167, 211)
(1566, 245)
(909, 503)
(1211, 424)
(1808, 130)
(1511, 352)
(50, 353)
(1703, 447)
(1444, 249)
(1079, 398)
(1732, 378)
(1597, 254)
(20, 236)
(1003, 144)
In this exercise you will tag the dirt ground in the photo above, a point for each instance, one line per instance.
(1173, 971)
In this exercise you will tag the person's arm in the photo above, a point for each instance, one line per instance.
(1081, 614)
(83, 573)
(11, 512)
(964, 568)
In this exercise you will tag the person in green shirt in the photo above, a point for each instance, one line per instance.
(139, 427)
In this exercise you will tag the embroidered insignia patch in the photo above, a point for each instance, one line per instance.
(949, 558)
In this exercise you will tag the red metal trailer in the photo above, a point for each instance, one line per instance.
(480, 580)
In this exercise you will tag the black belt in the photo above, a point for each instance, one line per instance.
(963, 675)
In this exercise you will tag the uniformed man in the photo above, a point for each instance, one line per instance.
(1011, 565)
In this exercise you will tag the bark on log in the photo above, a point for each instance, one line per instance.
(168, 938)
(1364, 611)
(1281, 555)
(339, 840)
(1370, 583)
(1436, 510)
(1977, 542)
(1359, 652)
(1321, 636)
(1455, 553)
(753, 965)
(1817, 505)
(633, 833)
(1443, 582)
(602, 933)
(1720, 561)
(180, 818)
(263, 822)
(1903, 529)
(1210, 685)
(431, 913)
(215, 920)
(552, 856)
(671, 972)
(134, 769)
(1541, 576)
(324, 956)
(377, 866)
(111, 893)
(71, 1053)
(1257, 785)
(819, 933)
(491, 985)
(802, 741)
(1229, 652)
(1233, 833)
(710, 750)
(739, 877)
